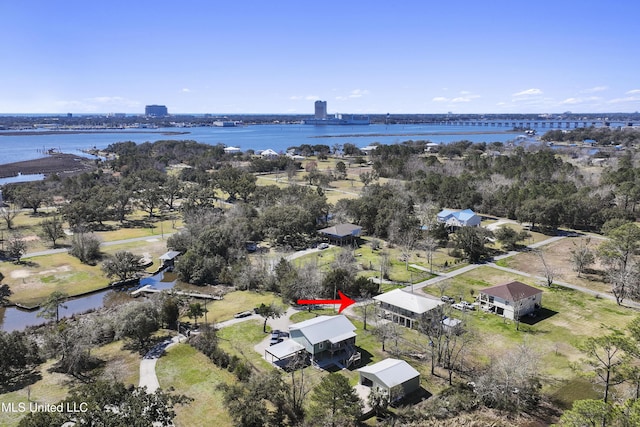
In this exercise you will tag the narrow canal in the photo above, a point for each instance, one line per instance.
(13, 319)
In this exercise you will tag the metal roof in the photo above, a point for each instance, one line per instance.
(408, 301)
(325, 328)
(391, 372)
(342, 230)
(170, 255)
(284, 349)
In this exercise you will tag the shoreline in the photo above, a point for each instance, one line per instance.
(59, 163)
(74, 132)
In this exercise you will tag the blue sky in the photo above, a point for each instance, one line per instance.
(360, 56)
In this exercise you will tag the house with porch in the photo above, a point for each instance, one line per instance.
(329, 340)
(392, 377)
(511, 300)
(459, 218)
(403, 307)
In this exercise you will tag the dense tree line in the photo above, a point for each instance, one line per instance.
(601, 135)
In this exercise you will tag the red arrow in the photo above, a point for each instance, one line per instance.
(344, 301)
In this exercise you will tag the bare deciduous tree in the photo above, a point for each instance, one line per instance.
(511, 381)
(8, 215)
(549, 272)
(582, 256)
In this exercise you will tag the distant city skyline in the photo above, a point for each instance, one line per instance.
(369, 57)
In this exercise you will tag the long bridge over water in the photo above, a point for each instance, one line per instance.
(539, 124)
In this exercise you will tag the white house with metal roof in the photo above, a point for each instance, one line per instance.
(329, 339)
(403, 307)
(394, 378)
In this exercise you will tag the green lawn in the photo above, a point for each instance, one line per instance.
(185, 370)
(568, 318)
(232, 303)
(33, 281)
(239, 340)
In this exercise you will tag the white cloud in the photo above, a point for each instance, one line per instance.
(440, 99)
(528, 92)
(304, 98)
(185, 90)
(358, 93)
(633, 92)
(623, 100)
(595, 89)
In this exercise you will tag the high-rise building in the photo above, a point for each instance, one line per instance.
(321, 110)
(156, 111)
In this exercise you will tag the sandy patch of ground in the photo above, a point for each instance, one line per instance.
(23, 273)
(20, 274)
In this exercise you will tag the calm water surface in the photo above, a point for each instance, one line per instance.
(256, 137)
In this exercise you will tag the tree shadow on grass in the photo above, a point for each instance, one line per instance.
(17, 382)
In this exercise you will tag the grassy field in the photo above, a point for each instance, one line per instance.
(567, 319)
(33, 281)
(239, 340)
(138, 225)
(558, 256)
(235, 302)
(184, 370)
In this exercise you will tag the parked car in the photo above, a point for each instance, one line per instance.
(468, 305)
(323, 246)
(242, 314)
(275, 337)
(458, 306)
(447, 299)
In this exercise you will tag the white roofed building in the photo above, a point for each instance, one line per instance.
(269, 153)
(392, 377)
(405, 308)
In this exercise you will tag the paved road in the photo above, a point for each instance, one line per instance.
(148, 377)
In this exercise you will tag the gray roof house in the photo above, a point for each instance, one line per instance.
(341, 233)
(394, 378)
(403, 307)
(329, 340)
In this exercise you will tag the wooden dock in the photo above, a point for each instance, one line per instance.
(148, 289)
